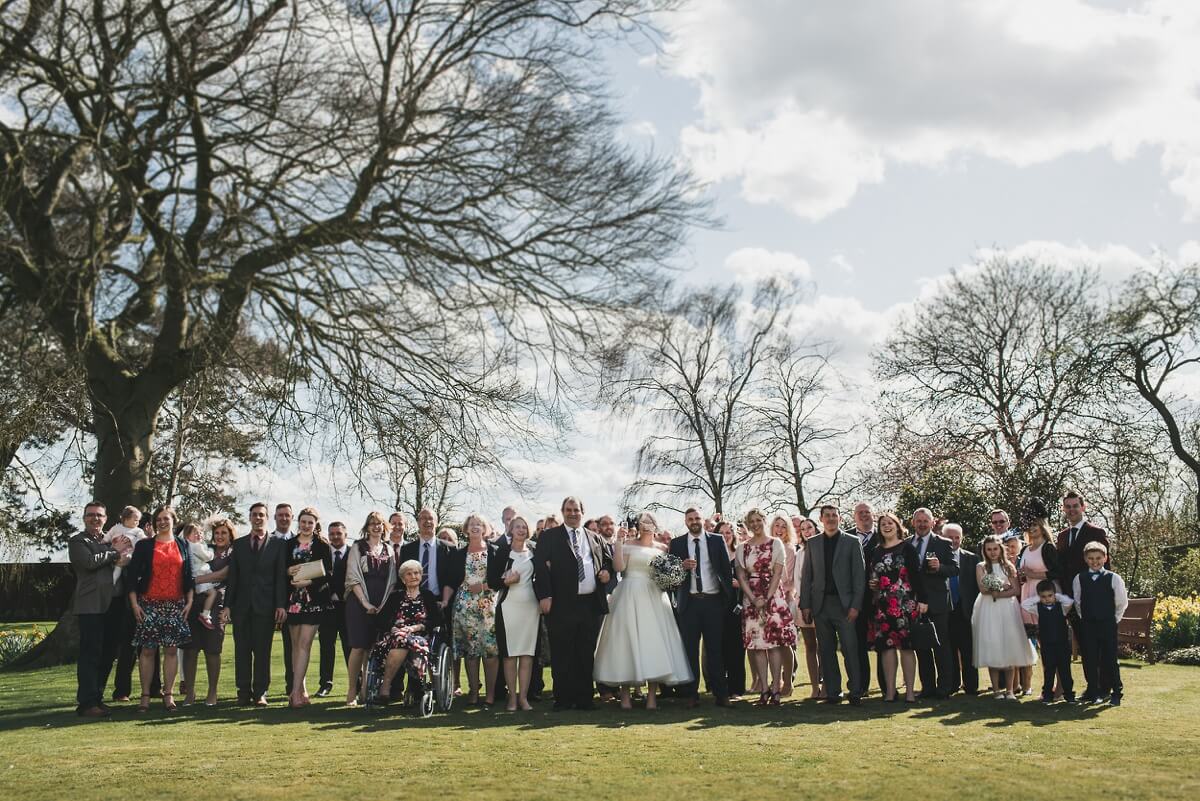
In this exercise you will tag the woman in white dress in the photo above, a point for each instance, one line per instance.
(517, 615)
(999, 632)
(640, 641)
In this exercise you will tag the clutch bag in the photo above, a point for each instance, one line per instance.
(310, 570)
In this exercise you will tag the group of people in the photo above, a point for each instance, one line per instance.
(583, 595)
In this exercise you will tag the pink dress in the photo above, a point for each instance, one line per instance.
(1035, 570)
(772, 626)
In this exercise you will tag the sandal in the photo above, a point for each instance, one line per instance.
(144, 704)
(169, 702)
(774, 699)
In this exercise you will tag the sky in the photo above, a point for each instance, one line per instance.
(872, 148)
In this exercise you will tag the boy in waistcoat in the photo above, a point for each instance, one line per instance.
(1054, 638)
(1100, 600)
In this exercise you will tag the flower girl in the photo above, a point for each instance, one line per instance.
(1000, 641)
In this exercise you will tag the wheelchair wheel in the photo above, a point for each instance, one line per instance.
(428, 703)
(374, 679)
(443, 682)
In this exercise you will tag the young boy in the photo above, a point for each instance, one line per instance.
(1100, 600)
(1054, 638)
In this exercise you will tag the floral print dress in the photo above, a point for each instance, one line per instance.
(410, 612)
(475, 613)
(896, 599)
(773, 625)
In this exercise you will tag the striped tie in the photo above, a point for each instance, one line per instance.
(578, 555)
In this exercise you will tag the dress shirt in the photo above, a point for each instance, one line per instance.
(864, 537)
(339, 553)
(922, 544)
(1120, 596)
(588, 585)
(1031, 603)
(431, 580)
(281, 535)
(1073, 530)
(704, 567)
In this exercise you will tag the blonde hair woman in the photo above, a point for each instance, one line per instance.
(767, 623)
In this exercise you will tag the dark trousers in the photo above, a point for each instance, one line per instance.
(331, 629)
(733, 654)
(91, 671)
(1056, 661)
(573, 634)
(963, 672)
(1101, 670)
(119, 625)
(252, 638)
(704, 618)
(864, 655)
(934, 664)
(833, 629)
(287, 659)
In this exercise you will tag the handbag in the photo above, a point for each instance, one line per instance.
(310, 571)
(924, 634)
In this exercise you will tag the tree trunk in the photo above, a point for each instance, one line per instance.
(60, 646)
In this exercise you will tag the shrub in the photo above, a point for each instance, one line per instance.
(15, 643)
(1176, 623)
(1184, 656)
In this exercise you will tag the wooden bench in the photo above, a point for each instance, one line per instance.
(1134, 628)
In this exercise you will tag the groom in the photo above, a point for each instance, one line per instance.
(701, 603)
(571, 568)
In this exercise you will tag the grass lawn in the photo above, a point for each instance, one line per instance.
(963, 748)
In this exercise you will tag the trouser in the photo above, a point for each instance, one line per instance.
(934, 663)
(704, 618)
(1100, 667)
(91, 670)
(833, 629)
(331, 629)
(573, 634)
(963, 672)
(1056, 661)
(864, 656)
(253, 634)
(287, 659)
(733, 653)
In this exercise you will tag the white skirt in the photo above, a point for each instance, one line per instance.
(999, 634)
(639, 640)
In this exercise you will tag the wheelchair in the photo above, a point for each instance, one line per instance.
(430, 691)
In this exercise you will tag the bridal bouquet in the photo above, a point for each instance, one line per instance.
(993, 583)
(667, 571)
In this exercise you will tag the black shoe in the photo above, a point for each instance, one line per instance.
(561, 707)
(1088, 699)
(324, 692)
(855, 700)
(532, 697)
(971, 692)
(1114, 701)
(833, 699)
(587, 707)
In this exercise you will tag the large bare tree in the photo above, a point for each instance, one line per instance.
(359, 181)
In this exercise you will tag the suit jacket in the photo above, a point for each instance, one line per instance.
(93, 561)
(849, 572)
(141, 566)
(714, 547)
(257, 582)
(968, 583)
(446, 562)
(556, 571)
(500, 563)
(868, 560)
(1070, 557)
(337, 578)
(937, 584)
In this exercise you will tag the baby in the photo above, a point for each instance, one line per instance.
(201, 555)
(125, 534)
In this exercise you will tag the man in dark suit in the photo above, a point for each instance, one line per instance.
(333, 622)
(963, 591)
(92, 560)
(832, 587)
(868, 537)
(571, 568)
(255, 600)
(701, 603)
(1070, 543)
(283, 533)
(939, 563)
(436, 556)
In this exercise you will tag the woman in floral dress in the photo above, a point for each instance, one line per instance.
(898, 602)
(411, 615)
(308, 599)
(767, 624)
(475, 610)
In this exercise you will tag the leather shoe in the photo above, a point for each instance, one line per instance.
(833, 699)
(692, 703)
(244, 699)
(323, 692)
(855, 700)
(93, 712)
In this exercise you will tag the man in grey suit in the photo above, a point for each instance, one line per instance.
(93, 561)
(831, 593)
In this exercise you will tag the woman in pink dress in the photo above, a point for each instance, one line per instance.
(1035, 563)
(767, 627)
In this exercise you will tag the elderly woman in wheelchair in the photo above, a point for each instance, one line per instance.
(411, 618)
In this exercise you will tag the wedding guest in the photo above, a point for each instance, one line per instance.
(93, 561)
(1101, 600)
(831, 593)
(506, 516)
(781, 529)
(1000, 522)
(160, 594)
(333, 622)
(700, 604)
(733, 649)
(410, 616)
(308, 598)
(806, 529)
(398, 528)
(592, 525)
(899, 601)
(283, 532)
(571, 568)
(1054, 639)
(200, 552)
(475, 611)
(448, 536)
(963, 592)
(370, 580)
(436, 558)
(1034, 563)
(256, 602)
(938, 564)
(868, 538)
(1070, 544)
(999, 636)
(767, 626)
(517, 617)
(608, 531)
(119, 623)
(206, 640)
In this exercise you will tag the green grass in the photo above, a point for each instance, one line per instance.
(964, 748)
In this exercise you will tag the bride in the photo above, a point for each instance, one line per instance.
(640, 640)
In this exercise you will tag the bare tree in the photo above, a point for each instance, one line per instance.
(174, 174)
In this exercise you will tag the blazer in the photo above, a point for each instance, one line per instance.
(555, 572)
(937, 584)
(257, 582)
(849, 571)
(1071, 562)
(141, 566)
(499, 563)
(714, 547)
(445, 562)
(459, 562)
(968, 583)
(93, 561)
(319, 590)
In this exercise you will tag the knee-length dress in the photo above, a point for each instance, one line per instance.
(998, 631)
(306, 605)
(895, 608)
(475, 612)
(773, 625)
(518, 614)
(1034, 566)
(377, 578)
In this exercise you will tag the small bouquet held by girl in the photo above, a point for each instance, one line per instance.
(667, 571)
(993, 583)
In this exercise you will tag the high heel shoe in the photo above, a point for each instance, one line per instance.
(774, 699)
(144, 704)
(763, 699)
(169, 702)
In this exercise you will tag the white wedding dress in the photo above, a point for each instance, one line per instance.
(639, 640)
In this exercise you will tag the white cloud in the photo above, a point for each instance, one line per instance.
(751, 265)
(803, 103)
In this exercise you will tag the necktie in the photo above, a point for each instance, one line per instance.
(578, 555)
(954, 596)
(256, 541)
(699, 574)
(1071, 536)
(921, 555)
(425, 565)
